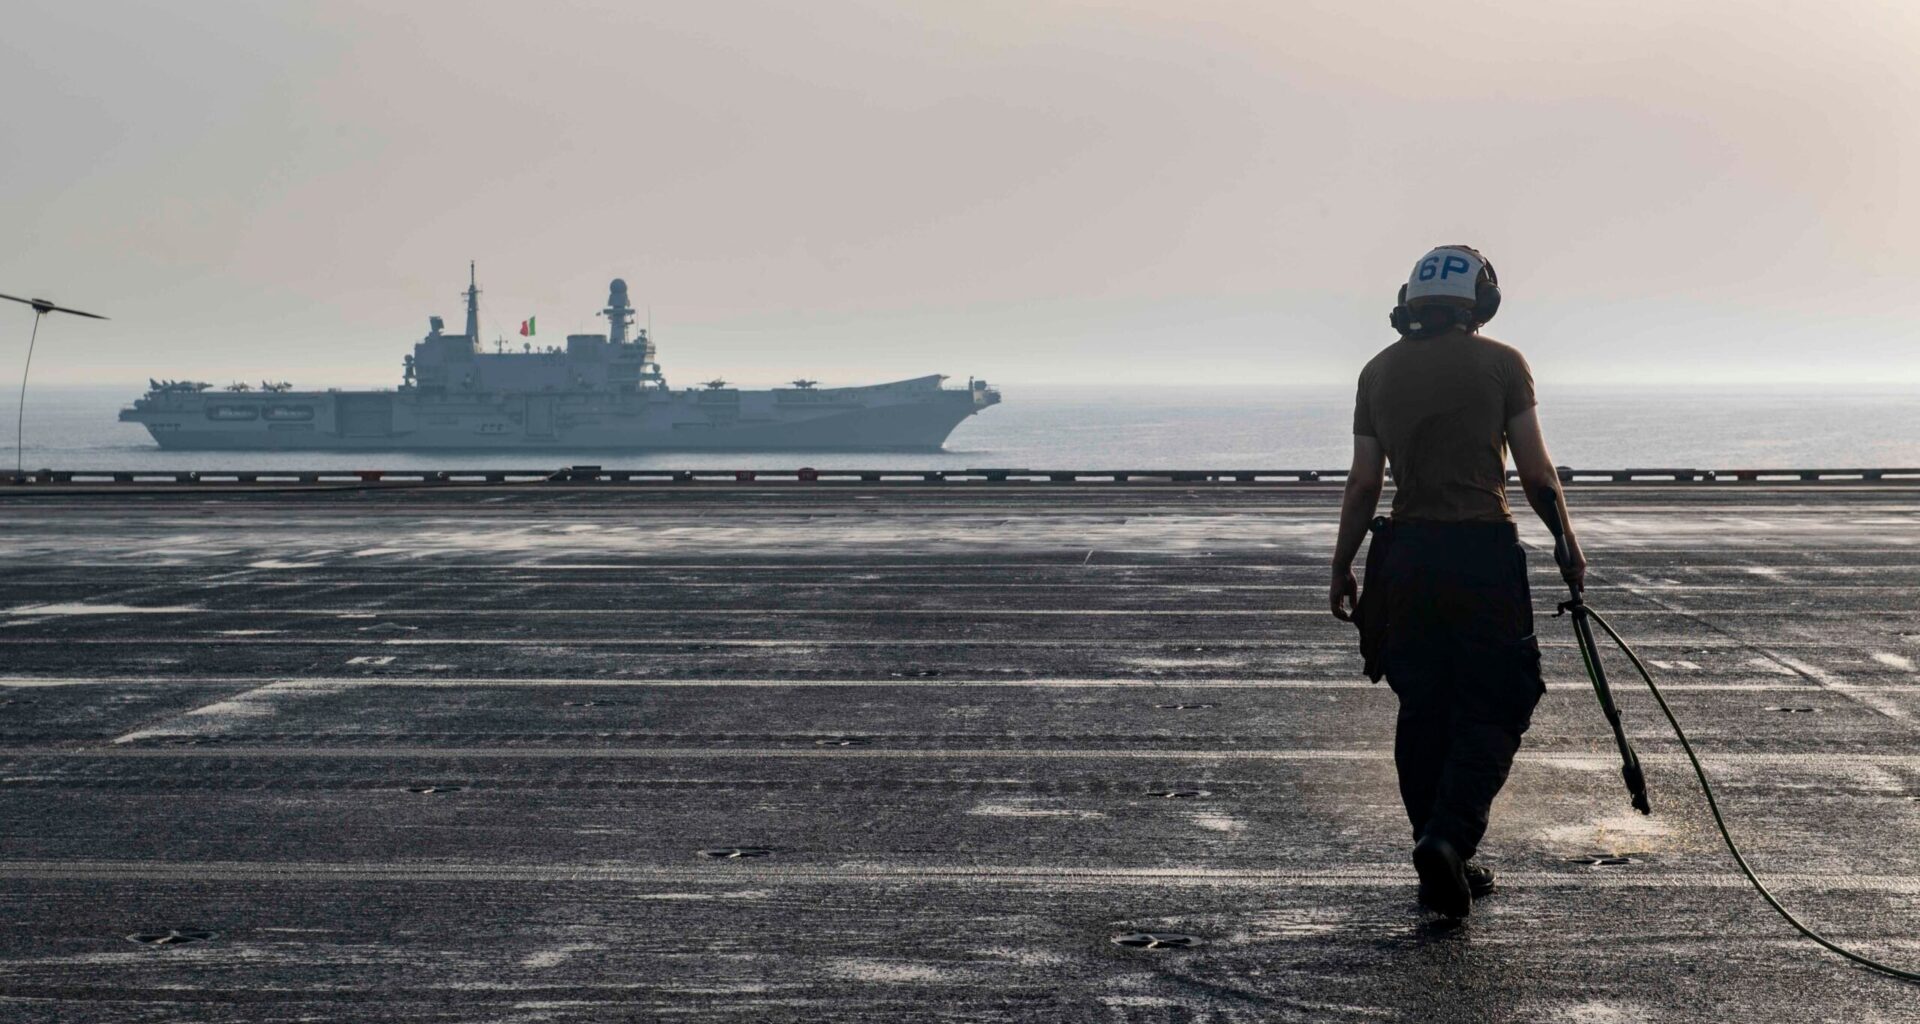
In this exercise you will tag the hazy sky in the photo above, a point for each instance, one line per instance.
(1027, 191)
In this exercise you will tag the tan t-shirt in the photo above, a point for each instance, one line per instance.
(1440, 406)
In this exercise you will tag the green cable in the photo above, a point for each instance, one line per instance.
(1720, 822)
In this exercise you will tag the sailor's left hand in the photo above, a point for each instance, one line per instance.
(1344, 594)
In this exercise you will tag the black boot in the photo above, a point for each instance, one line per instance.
(1479, 879)
(1443, 877)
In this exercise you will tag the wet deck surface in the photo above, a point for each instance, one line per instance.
(446, 755)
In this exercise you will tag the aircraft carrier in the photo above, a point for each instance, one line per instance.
(599, 392)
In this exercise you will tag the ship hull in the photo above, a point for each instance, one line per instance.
(912, 415)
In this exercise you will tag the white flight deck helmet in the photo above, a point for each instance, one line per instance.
(1456, 283)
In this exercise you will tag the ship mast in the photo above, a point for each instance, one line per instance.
(473, 306)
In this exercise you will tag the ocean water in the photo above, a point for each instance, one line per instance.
(1228, 427)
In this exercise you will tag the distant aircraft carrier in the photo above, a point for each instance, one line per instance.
(602, 391)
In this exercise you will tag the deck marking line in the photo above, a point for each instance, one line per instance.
(730, 873)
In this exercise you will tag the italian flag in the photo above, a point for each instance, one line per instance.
(526, 327)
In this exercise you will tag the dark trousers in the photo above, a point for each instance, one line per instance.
(1462, 657)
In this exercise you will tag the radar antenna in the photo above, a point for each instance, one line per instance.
(619, 312)
(41, 307)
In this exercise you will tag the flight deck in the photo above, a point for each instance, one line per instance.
(1027, 748)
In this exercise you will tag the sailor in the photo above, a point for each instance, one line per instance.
(1446, 615)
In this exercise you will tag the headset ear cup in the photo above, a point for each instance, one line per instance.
(1486, 291)
(1486, 302)
(1398, 318)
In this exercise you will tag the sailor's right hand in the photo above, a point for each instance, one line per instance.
(1344, 594)
(1573, 564)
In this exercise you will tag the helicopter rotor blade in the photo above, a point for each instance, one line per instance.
(43, 306)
